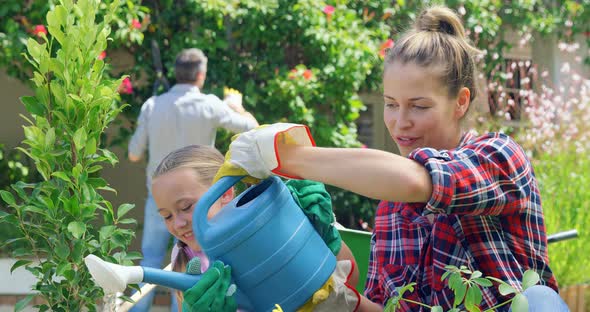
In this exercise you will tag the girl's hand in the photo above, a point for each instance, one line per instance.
(214, 292)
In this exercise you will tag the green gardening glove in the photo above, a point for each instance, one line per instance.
(214, 292)
(316, 203)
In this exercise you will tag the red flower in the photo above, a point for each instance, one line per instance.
(292, 73)
(386, 45)
(126, 87)
(135, 24)
(102, 55)
(307, 74)
(38, 30)
(329, 10)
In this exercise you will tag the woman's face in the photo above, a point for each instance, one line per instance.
(176, 193)
(418, 111)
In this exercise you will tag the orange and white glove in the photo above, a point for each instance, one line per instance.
(254, 153)
(336, 294)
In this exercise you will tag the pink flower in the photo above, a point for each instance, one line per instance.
(102, 55)
(126, 87)
(329, 10)
(39, 29)
(307, 74)
(386, 45)
(135, 24)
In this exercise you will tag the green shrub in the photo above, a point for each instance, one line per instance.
(564, 181)
(63, 217)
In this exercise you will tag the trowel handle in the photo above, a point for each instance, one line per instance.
(183, 281)
(200, 222)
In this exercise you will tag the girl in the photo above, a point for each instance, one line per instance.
(184, 176)
(451, 198)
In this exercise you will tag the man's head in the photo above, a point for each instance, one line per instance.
(191, 67)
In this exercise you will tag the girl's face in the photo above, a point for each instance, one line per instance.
(176, 193)
(418, 111)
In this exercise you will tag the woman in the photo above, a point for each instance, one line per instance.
(452, 198)
(184, 176)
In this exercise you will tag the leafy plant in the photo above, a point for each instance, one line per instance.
(57, 217)
(14, 168)
(564, 183)
(467, 288)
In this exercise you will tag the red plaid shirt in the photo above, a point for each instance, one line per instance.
(485, 213)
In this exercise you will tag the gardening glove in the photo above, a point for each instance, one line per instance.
(213, 292)
(254, 153)
(316, 203)
(336, 294)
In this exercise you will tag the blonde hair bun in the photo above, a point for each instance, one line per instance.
(440, 19)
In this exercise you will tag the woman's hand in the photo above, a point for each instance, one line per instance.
(254, 153)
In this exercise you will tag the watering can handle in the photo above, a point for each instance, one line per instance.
(200, 221)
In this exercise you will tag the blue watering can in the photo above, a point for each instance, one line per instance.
(275, 253)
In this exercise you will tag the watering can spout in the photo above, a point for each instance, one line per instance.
(112, 277)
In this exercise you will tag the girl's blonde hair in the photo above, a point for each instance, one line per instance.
(438, 40)
(205, 161)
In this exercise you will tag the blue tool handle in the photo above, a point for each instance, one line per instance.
(200, 222)
(183, 282)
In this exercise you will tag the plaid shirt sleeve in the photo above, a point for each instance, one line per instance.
(490, 175)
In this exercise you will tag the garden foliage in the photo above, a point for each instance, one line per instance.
(73, 104)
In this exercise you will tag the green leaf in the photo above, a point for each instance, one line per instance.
(90, 148)
(62, 175)
(473, 297)
(49, 138)
(133, 255)
(18, 264)
(506, 289)
(62, 250)
(460, 291)
(32, 105)
(22, 252)
(530, 278)
(483, 282)
(7, 198)
(105, 232)
(519, 303)
(125, 298)
(77, 229)
(94, 168)
(442, 278)
(476, 274)
(80, 138)
(436, 309)
(127, 221)
(124, 209)
(22, 304)
(110, 156)
(62, 267)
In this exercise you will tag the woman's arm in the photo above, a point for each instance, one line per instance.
(372, 173)
(346, 254)
(367, 305)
